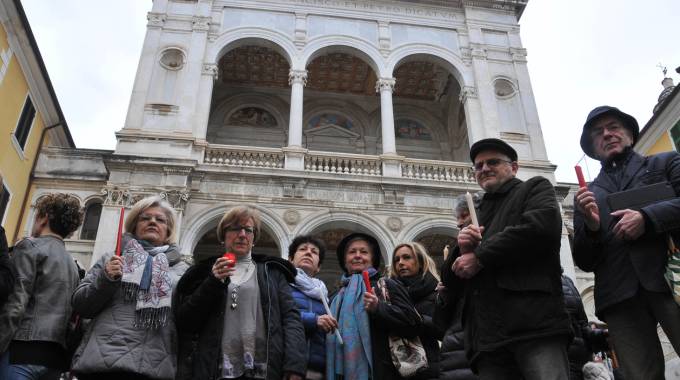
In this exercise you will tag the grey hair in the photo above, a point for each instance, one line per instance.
(461, 202)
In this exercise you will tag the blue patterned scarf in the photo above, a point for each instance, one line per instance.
(353, 359)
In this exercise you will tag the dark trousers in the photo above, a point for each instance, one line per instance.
(535, 359)
(633, 331)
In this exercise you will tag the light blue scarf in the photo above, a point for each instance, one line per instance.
(353, 359)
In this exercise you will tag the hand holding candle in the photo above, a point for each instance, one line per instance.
(328, 311)
(367, 282)
(579, 175)
(471, 209)
(231, 259)
(120, 231)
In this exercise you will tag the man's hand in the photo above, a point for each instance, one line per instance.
(631, 226)
(585, 201)
(326, 323)
(292, 376)
(466, 266)
(469, 238)
(114, 268)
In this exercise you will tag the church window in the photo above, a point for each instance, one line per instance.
(330, 119)
(252, 117)
(503, 88)
(25, 123)
(675, 135)
(91, 222)
(411, 129)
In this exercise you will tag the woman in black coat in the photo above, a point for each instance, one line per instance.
(235, 315)
(416, 271)
(365, 318)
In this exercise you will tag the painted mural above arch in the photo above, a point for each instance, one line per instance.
(405, 128)
(252, 117)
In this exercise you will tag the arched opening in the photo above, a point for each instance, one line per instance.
(340, 101)
(435, 244)
(250, 103)
(429, 116)
(93, 212)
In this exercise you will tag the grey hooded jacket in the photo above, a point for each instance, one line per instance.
(39, 307)
(111, 343)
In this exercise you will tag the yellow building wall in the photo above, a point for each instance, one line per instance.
(663, 144)
(14, 168)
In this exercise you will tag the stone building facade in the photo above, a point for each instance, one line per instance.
(329, 116)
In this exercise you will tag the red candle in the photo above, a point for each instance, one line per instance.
(367, 282)
(120, 230)
(231, 259)
(579, 175)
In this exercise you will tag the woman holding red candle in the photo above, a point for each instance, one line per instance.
(240, 321)
(132, 334)
(364, 317)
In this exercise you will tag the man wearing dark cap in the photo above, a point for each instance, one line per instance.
(508, 271)
(626, 248)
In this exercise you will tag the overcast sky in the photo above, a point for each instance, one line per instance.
(582, 53)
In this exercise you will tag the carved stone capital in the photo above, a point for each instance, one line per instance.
(201, 23)
(518, 55)
(297, 76)
(477, 51)
(116, 196)
(210, 69)
(466, 93)
(155, 20)
(178, 199)
(385, 84)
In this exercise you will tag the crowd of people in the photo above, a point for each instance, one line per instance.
(499, 307)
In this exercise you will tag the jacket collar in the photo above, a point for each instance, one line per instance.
(504, 189)
(632, 163)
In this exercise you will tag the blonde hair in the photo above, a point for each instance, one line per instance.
(425, 262)
(146, 203)
(234, 216)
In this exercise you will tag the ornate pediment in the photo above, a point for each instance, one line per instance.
(331, 130)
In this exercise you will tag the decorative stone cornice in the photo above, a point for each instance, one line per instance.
(200, 23)
(125, 197)
(385, 84)
(297, 76)
(155, 20)
(467, 92)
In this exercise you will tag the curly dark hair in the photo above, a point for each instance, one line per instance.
(63, 212)
(302, 239)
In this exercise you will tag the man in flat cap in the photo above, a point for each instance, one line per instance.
(508, 271)
(626, 248)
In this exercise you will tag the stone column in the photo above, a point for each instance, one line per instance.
(209, 75)
(391, 162)
(295, 158)
(298, 80)
(385, 86)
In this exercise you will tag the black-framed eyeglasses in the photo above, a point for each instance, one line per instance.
(491, 163)
(237, 229)
(147, 218)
